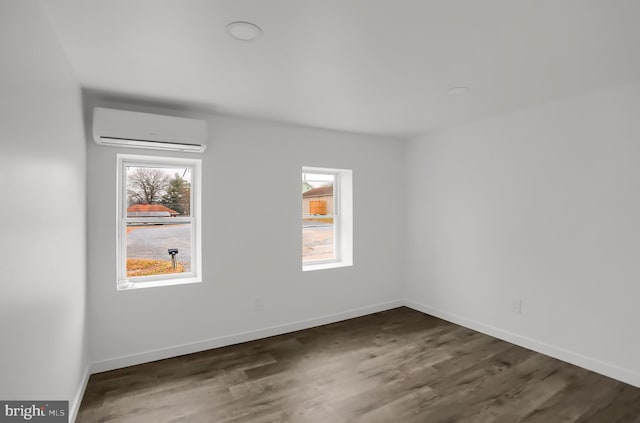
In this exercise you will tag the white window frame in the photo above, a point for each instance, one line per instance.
(195, 275)
(342, 219)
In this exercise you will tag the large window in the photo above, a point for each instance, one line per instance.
(326, 218)
(158, 221)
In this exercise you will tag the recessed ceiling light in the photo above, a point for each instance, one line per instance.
(458, 90)
(244, 31)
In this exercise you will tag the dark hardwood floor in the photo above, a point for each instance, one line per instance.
(395, 366)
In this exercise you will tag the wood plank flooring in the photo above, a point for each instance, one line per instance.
(395, 366)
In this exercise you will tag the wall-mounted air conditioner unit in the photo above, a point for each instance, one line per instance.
(122, 128)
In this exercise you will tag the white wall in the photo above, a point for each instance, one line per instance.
(250, 251)
(43, 352)
(541, 205)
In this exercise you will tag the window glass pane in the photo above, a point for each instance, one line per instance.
(317, 241)
(150, 248)
(158, 191)
(318, 225)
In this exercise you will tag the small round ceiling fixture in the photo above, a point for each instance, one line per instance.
(244, 31)
(458, 91)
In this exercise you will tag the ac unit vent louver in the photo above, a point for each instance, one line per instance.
(122, 128)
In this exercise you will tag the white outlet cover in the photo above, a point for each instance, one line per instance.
(517, 306)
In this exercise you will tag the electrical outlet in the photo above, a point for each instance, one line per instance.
(258, 305)
(516, 306)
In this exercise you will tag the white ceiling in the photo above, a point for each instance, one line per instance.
(374, 66)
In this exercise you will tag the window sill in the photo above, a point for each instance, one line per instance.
(323, 266)
(127, 285)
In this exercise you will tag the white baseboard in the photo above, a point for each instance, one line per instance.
(598, 366)
(223, 341)
(75, 405)
(595, 365)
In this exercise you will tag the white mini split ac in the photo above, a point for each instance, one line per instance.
(122, 128)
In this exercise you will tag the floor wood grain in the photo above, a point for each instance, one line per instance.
(395, 366)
